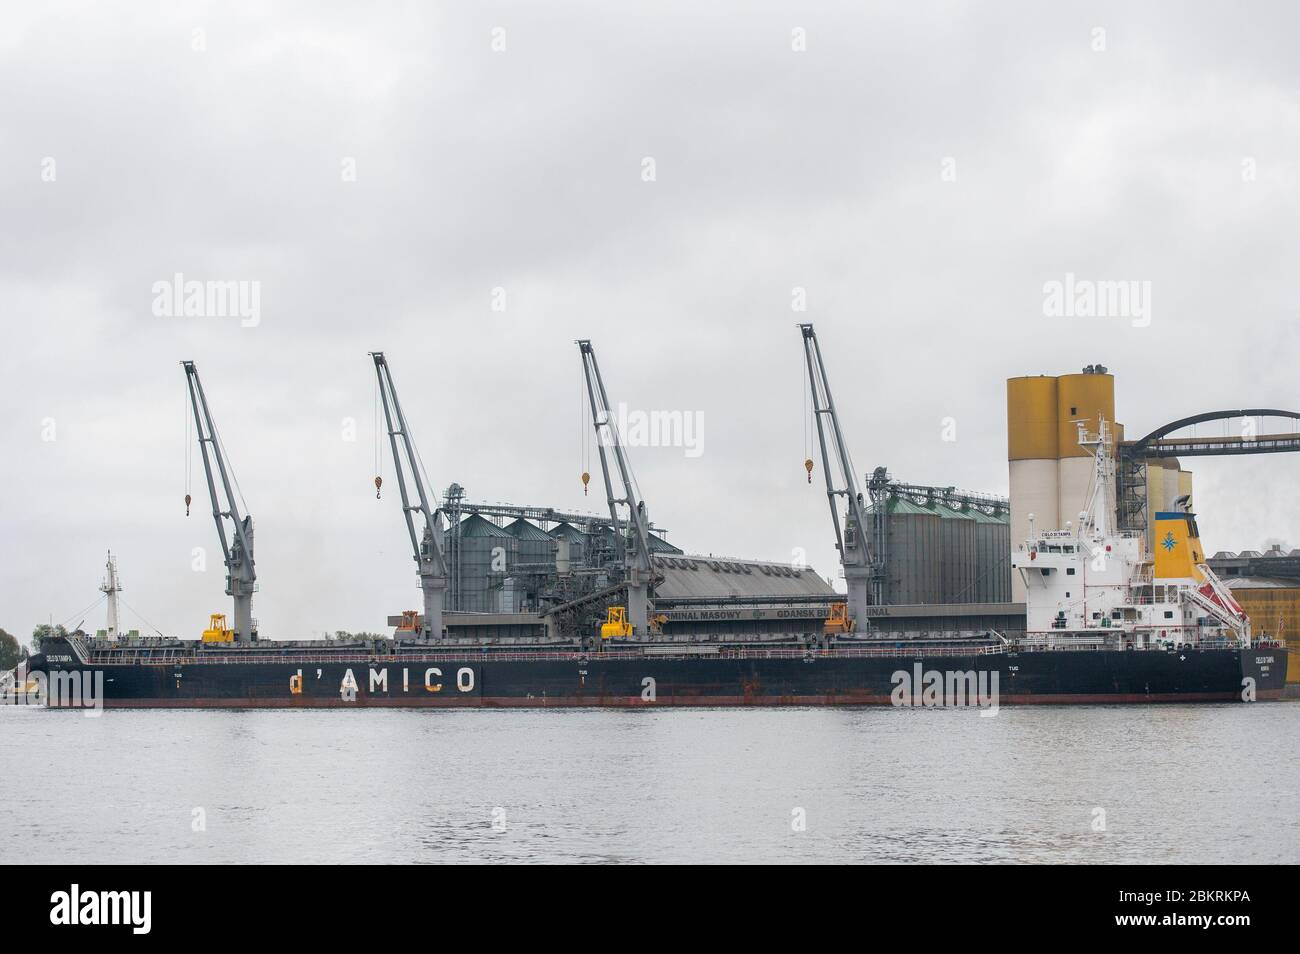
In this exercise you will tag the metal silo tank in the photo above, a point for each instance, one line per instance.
(980, 585)
(1000, 576)
(914, 553)
(992, 557)
(957, 555)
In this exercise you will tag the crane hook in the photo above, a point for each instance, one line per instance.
(808, 466)
(586, 479)
(187, 505)
(379, 482)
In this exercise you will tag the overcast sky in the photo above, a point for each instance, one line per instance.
(142, 140)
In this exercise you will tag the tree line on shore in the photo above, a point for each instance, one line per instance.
(12, 652)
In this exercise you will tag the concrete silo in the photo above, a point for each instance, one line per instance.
(1085, 398)
(1050, 474)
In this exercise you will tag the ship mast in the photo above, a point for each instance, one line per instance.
(635, 548)
(237, 552)
(850, 538)
(1101, 502)
(111, 587)
(426, 545)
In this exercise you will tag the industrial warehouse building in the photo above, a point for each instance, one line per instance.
(505, 569)
(938, 546)
(946, 556)
(1267, 585)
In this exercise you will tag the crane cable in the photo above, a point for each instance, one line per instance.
(142, 618)
(230, 468)
(807, 423)
(379, 480)
(584, 435)
(189, 449)
(82, 612)
(437, 501)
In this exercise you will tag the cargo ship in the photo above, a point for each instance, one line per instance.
(1106, 622)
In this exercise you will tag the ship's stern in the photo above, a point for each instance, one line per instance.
(1263, 673)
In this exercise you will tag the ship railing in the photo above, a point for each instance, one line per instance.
(900, 648)
(895, 648)
(78, 646)
(1090, 644)
(161, 659)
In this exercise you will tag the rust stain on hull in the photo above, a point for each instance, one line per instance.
(678, 701)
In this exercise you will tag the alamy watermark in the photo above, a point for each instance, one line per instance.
(61, 689)
(634, 428)
(74, 907)
(952, 688)
(1085, 298)
(179, 298)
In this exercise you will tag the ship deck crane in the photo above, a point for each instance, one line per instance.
(634, 547)
(850, 536)
(426, 543)
(236, 547)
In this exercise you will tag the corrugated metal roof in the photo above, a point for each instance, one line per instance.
(901, 505)
(948, 513)
(687, 576)
(478, 526)
(1260, 583)
(523, 530)
(979, 516)
(905, 505)
(1272, 553)
(568, 531)
(660, 545)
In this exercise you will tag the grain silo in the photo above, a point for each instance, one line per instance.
(1031, 452)
(571, 545)
(533, 567)
(536, 549)
(479, 555)
(956, 554)
(913, 545)
(992, 556)
(1085, 399)
(1050, 474)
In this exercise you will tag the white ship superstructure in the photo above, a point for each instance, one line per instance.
(1092, 586)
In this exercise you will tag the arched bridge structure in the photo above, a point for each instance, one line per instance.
(1131, 496)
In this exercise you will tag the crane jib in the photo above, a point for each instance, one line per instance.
(241, 576)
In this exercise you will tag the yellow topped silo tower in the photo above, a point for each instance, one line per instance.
(1050, 474)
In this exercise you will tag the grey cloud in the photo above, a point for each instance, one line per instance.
(521, 169)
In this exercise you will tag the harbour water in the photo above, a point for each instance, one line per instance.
(1168, 784)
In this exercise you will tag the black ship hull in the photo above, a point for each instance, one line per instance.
(739, 677)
